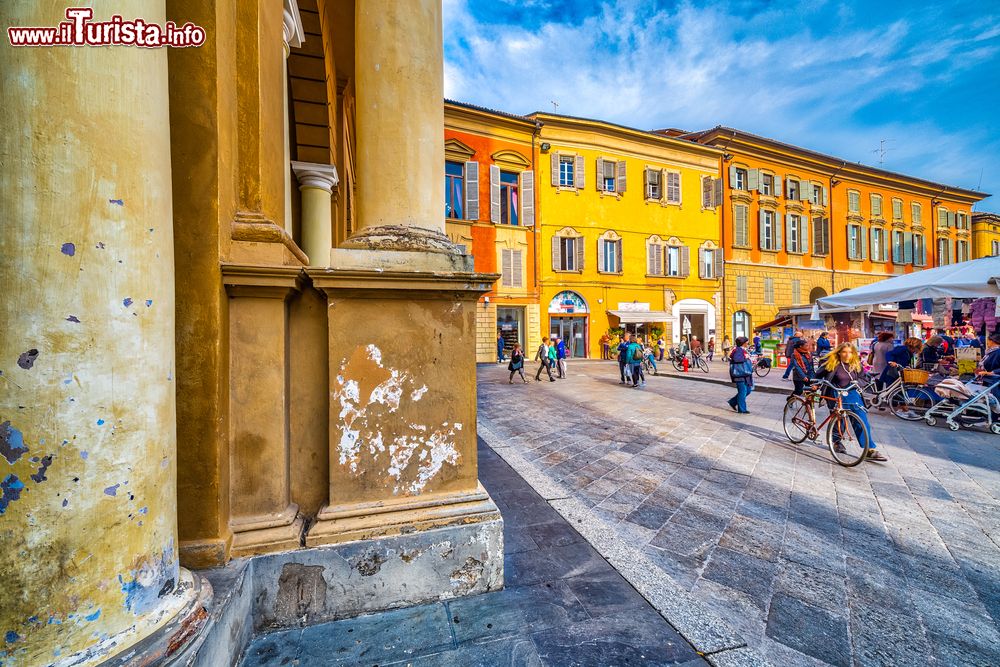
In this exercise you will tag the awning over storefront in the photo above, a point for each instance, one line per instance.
(883, 316)
(779, 322)
(639, 316)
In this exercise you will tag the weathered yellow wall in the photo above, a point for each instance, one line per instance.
(88, 530)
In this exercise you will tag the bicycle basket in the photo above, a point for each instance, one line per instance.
(915, 376)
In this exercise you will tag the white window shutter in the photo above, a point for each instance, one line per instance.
(753, 179)
(580, 169)
(706, 192)
(741, 228)
(620, 182)
(717, 192)
(719, 261)
(506, 274)
(788, 231)
(527, 198)
(494, 194)
(650, 258)
(579, 254)
(556, 167)
(777, 186)
(805, 190)
(803, 235)
(685, 254)
(777, 231)
(732, 177)
(517, 268)
(760, 225)
(472, 190)
(701, 263)
(645, 183)
(618, 258)
(823, 188)
(556, 253)
(600, 174)
(863, 242)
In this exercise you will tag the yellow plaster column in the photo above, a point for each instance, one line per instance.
(399, 79)
(291, 28)
(316, 182)
(88, 524)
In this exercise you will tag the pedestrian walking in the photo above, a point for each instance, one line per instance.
(901, 356)
(622, 349)
(561, 357)
(553, 355)
(789, 346)
(661, 345)
(634, 359)
(757, 344)
(802, 366)
(542, 356)
(605, 346)
(880, 348)
(516, 364)
(741, 374)
(500, 346)
(711, 348)
(650, 356)
(842, 368)
(727, 345)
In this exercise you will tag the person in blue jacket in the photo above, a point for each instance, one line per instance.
(901, 356)
(622, 349)
(823, 345)
(500, 346)
(561, 357)
(800, 361)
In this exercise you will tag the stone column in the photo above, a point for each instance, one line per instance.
(399, 80)
(291, 35)
(316, 183)
(88, 523)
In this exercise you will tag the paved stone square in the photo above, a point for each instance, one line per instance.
(811, 563)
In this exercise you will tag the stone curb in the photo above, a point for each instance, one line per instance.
(703, 628)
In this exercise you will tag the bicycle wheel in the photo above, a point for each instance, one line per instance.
(910, 403)
(797, 419)
(677, 363)
(762, 368)
(702, 364)
(843, 430)
(868, 394)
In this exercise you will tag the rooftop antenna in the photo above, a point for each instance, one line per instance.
(555, 106)
(882, 150)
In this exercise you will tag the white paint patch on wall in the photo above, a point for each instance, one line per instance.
(418, 393)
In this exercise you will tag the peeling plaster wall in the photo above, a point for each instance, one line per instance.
(88, 516)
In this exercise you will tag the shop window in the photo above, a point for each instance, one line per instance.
(741, 324)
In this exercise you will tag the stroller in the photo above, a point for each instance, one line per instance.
(965, 404)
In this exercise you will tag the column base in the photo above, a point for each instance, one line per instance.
(267, 540)
(401, 237)
(311, 586)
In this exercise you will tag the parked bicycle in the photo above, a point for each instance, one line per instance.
(695, 361)
(761, 364)
(847, 437)
(904, 397)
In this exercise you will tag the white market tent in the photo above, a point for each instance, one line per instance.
(965, 280)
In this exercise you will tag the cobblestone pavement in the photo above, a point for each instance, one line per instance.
(562, 604)
(813, 564)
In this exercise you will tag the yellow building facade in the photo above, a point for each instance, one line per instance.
(985, 235)
(628, 233)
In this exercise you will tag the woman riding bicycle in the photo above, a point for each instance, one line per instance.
(842, 368)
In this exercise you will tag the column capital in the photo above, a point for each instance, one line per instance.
(291, 26)
(316, 175)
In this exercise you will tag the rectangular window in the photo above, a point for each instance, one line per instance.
(897, 209)
(454, 190)
(854, 241)
(567, 254)
(796, 292)
(509, 202)
(793, 190)
(817, 195)
(878, 244)
(995, 248)
(962, 221)
(919, 250)
(741, 289)
(654, 259)
(741, 179)
(511, 268)
(766, 184)
(673, 260)
(767, 230)
(961, 251)
(653, 184)
(741, 226)
(944, 252)
(916, 213)
(673, 187)
(942, 217)
(609, 256)
(567, 171)
(897, 247)
(708, 263)
(769, 291)
(876, 207)
(608, 177)
(795, 234)
(854, 202)
(821, 236)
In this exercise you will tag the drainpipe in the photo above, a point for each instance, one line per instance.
(722, 245)
(536, 232)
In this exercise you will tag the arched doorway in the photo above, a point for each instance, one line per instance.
(741, 324)
(816, 293)
(692, 317)
(568, 316)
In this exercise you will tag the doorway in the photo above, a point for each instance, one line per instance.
(573, 331)
(693, 324)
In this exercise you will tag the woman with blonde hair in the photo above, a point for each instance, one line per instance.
(842, 368)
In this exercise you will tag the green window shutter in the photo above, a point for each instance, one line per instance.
(494, 194)
(863, 241)
(472, 190)
(554, 158)
(907, 248)
(527, 198)
(732, 177)
(740, 226)
(580, 176)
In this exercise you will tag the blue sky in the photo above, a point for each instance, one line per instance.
(835, 77)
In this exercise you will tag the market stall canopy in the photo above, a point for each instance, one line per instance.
(640, 316)
(966, 280)
(779, 322)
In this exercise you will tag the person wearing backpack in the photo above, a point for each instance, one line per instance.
(634, 359)
(516, 364)
(542, 356)
(622, 357)
(741, 374)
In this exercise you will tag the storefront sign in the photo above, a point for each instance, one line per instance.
(567, 303)
(633, 307)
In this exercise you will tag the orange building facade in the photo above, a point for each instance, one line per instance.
(490, 211)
